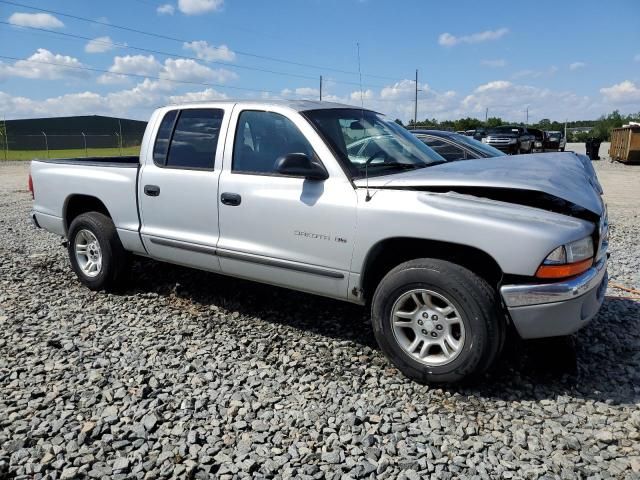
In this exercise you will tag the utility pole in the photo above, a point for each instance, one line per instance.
(320, 87)
(526, 122)
(46, 143)
(486, 115)
(415, 110)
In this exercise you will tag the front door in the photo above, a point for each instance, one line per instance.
(284, 230)
(178, 190)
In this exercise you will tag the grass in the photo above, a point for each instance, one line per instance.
(68, 153)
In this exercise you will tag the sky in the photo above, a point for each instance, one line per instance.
(558, 60)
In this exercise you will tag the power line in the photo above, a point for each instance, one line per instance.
(155, 77)
(174, 39)
(177, 55)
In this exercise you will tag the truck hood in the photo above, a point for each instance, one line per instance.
(561, 175)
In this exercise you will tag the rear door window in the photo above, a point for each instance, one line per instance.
(195, 139)
(163, 138)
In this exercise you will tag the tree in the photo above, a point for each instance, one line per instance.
(399, 122)
(494, 122)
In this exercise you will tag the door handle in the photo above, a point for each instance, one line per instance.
(152, 190)
(232, 199)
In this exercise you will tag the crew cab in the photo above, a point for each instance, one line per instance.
(510, 139)
(447, 255)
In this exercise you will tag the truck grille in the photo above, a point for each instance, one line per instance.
(499, 140)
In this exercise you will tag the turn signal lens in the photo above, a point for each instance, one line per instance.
(568, 260)
(564, 271)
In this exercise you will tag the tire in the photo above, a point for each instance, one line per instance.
(480, 324)
(562, 149)
(93, 229)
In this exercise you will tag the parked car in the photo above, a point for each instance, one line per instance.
(510, 139)
(453, 146)
(448, 254)
(555, 141)
(538, 139)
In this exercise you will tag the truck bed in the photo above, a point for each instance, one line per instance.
(112, 180)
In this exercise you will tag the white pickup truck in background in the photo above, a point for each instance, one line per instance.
(448, 254)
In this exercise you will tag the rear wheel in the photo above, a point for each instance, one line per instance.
(437, 321)
(96, 254)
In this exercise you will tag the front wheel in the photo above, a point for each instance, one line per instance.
(437, 321)
(96, 254)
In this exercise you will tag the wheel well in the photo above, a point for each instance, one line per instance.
(79, 204)
(389, 253)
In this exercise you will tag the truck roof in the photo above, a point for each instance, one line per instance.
(298, 105)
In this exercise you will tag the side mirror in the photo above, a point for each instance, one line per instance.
(300, 165)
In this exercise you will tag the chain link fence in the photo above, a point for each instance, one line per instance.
(44, 145)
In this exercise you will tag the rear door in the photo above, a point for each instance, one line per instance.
(178, 187)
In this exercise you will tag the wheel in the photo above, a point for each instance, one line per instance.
(437, 321)
(562, 149)
(96, 254)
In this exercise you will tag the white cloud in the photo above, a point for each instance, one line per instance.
(112, 79)
(177, 70)
(202, 96)
(500, 62)
(99, 45)
(198, 7)
(448, 40)
(577, 66)
(40, 65)
(509, 101)
(207, 52)
(136, 64)
(636, 58)
(623, 92)
(38, 20)
(187, 70)
(166, 9)
(307, 92)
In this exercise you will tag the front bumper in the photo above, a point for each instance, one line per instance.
(556, 309)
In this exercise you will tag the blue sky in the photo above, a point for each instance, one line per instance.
(562, 60)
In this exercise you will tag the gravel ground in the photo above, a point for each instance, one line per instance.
(189, 374)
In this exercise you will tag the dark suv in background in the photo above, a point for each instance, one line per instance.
(555, 141)
(510, 139)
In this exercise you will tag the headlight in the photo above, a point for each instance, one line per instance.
(538, 144)
(568, 260)
(513, 140)
(484, 140)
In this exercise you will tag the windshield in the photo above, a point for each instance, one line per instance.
(366, 142)
(486, 150)
(504, 130)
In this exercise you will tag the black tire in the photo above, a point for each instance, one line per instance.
(114, 256)
(562, 149)
(477, 304)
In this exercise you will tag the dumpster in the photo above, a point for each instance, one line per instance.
(593, 148)
(625, 144)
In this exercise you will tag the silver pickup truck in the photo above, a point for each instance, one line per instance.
(448, 255)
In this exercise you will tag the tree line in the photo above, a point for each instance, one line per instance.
(601, 128)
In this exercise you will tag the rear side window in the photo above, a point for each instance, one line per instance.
(164, 136)
(447, 150)
(195, 138)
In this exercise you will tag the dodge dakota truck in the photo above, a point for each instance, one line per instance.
(447, 255)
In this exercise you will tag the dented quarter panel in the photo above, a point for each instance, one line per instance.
(517, 237)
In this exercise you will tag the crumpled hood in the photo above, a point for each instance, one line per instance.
(561, 174)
